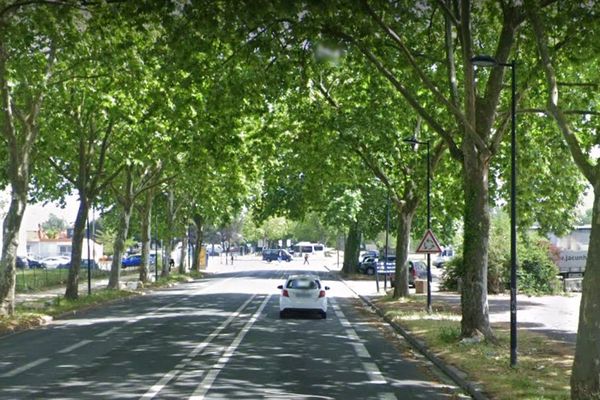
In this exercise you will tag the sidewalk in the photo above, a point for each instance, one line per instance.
(555, 316)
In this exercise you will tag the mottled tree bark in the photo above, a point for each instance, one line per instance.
(10, 242)
(146, 217)
(585, 379)
(405, 218)
(199, 223)
(184, 252)
(72, 290)
(119, 247)
(352, 250)
(474, 300)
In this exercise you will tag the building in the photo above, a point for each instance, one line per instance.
(40, 246)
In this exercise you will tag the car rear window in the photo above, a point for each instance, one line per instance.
(303, 284)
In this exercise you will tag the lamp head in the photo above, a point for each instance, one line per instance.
(484, 61)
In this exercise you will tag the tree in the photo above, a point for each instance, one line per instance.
(32, 37)
(54, 225)
(580, 135)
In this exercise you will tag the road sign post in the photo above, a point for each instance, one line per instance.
(429, 244)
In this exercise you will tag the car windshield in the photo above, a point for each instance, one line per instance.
(302, 284)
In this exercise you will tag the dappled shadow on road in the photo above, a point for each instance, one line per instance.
(234, 343)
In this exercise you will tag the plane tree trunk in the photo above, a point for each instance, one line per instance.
(405, 219)
(146, 217)
(474, 300)
(352, 250)
(72, 290)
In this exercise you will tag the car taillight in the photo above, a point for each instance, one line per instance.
(321, 293)
(285, 293)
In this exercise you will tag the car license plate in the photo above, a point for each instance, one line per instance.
(303, 294)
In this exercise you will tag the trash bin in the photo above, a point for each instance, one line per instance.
(420, 285)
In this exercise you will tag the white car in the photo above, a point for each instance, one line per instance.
(54, 261)
(303, 293)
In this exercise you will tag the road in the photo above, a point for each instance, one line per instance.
(219, 338)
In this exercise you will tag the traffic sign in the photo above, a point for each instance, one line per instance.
(429, 243)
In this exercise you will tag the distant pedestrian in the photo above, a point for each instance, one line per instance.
(231, 258)
(306, 259)
(171, 264)
(279, 256)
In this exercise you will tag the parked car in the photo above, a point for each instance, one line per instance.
(135, 260)
(84, 264)
(368, 253)
(22, 263)
(417, 269)
(54, 261)
(369, 264)
(303, 293)
(34, 264)
(276, 254)
(445, 256)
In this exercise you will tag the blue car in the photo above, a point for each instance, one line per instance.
(135, 260)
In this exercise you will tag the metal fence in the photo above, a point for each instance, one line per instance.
(31, 280)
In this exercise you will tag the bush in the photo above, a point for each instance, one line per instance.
(536, 273)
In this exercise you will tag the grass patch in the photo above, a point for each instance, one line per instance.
(544, 365)
(35, 313)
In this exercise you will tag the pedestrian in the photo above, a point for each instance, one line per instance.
(171, 264)
(279, 256)
(231, 258)
(306, 259)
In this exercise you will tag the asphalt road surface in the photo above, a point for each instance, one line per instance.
(219, 338)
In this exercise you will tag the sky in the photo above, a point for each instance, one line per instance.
(38, 213)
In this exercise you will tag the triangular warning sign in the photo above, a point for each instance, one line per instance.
(429, 243)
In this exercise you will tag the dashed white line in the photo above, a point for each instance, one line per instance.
(158, 386)
(73, 347)
(108, 332)
(24, 368)
(211, 376)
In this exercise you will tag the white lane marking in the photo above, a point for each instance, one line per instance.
(75, 346)
(372, 370)
(212, 374)
(23, 368)
(162, 382)
(108, 332)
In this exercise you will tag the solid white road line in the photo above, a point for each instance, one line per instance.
(23, 368)
(371, 369)
(75, 346)
(162, 382)
(212, 374)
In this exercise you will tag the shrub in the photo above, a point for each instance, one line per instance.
(536, 273)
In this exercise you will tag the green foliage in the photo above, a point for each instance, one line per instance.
(536, 273)
(54, 225)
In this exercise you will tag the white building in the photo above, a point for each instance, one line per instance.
(39, 247)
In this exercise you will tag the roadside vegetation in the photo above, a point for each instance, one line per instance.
(30, 314)
(537, 272)
(544, 367)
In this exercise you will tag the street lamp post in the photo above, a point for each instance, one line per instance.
(414, 141)
(487, 61)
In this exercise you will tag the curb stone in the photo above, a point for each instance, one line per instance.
(454, 373)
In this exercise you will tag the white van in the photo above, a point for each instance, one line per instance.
(308, 247)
